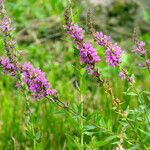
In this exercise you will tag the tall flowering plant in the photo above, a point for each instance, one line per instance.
(34, 78)
(113, 56)
(28, 77)
(88, 54)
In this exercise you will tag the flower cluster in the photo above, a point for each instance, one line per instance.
(113, 51)
(7, 66)
(75, 32)
(113, 55)
(148, 63)
(36, 81)
(6, 25)
(139, 48)
(92, 71)
(145, 64)
(88, 55)
(102, 40)
(124, 75)
(34, 78)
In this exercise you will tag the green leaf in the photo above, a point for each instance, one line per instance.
(37, 136)
(130, 93)
(104, 142)
(89, 127)
(89, 133)
(146, 92)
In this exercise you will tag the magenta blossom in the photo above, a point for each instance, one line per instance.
(113, 52)
(122, 75)
(36, 81)
(113, 55)
(139, 48)
(7, 66)
(6, 24)
(88, 55)
(34, 78)
(102, 40)
(75, 32)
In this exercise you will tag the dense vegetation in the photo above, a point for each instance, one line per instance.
(96, 110)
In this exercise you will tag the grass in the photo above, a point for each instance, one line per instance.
(40, 34)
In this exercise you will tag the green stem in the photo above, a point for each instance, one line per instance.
(34, 141)
(82, 125)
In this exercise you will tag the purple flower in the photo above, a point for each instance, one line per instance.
(102, 40)
(148, 61)
(36, 81)
(122, 75)
(34, 78)
(75, 32)
(113, 52)
(139, 48)
(7, 66)
(88, 55)
(5, 24)
(113, 55)
(145, 64)
(91, 70)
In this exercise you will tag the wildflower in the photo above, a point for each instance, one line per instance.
(139, 48)
(91, 70)
(34, 78)
(145, 64)
(113, 52)
(113, 55)
(5, 25)
(122, 75)
(88, 54)
(102, 40)
(75, 32)
(36, 81)
(148, 61)
(7, 66)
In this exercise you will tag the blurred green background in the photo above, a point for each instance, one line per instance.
(41, 37)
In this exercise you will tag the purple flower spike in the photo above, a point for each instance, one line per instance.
(139, 48)
(88, 54)
(34, 78)
(113, 55)
(112, 51)
(7, 66)
(36, 82)
(75, 32)
(5, 25)
(102, 40)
